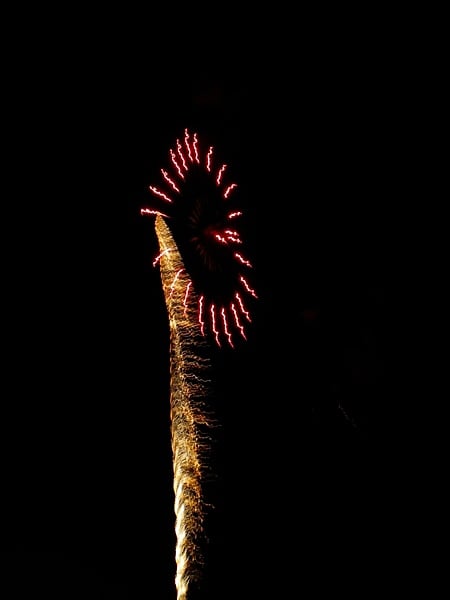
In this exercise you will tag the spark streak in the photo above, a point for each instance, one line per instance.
(189, 386)
(160, 194)
(229, 189)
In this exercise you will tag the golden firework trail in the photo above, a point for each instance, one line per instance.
(189, 386)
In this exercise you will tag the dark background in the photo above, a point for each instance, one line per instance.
(300, 495)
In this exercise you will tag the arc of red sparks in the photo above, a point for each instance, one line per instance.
(187, 154)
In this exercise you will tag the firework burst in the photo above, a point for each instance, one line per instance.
(195, 194)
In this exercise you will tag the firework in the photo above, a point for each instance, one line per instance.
(207, 293)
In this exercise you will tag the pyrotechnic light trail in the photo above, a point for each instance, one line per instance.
(189, 386)
(206, 299)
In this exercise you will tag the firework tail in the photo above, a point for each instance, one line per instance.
(190, 372)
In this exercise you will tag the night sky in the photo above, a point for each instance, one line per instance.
(295, 466)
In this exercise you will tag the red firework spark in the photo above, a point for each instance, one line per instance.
(221, 318)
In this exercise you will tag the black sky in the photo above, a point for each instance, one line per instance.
(86, 446)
